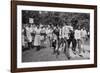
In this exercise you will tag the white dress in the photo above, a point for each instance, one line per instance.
(37, 39)
(23, 38)
(28, 33)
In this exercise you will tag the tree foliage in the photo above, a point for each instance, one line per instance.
(57, 18)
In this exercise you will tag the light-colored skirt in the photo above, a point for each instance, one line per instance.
(37, 40)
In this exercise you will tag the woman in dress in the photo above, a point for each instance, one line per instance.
(29, 30)
(23, 39)
(43, 35)
(49, 35)
(37, 39)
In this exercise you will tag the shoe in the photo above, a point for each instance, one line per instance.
(80, 55)
(37, 49)
(83, 51)
(68, 58)
(54, 52)
(74, 52)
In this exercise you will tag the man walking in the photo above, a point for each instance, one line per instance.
(83, 38)
(77, 36)
(65, 36)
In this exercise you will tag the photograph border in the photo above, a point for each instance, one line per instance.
(45, 4)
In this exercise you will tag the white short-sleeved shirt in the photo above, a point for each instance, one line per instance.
(60, 33)
(77, 34)
(47, 31)
(83, 33)
(37, 31)
(65, 32)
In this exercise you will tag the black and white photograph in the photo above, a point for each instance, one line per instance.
(55, 36)
(52, 36)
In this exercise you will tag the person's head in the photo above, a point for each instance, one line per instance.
(60, 26)
(64, 24)
(70, 24)
(34, 25)
(37, 26)
(54, 27)
(70, 31)
(83, 28)
(29, 25)
(48, 26)
(75, 22)
(79, 27)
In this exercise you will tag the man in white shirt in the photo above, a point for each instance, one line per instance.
(83, 37)
(65, 36)
(65, 31)
(77, 36)
(72, 39)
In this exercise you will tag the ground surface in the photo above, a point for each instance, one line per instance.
(46, 54)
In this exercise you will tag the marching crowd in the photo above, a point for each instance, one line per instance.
(60, 38)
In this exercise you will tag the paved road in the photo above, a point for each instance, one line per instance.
(46, 54)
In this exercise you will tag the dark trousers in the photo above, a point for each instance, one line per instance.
(54, 44)
(64, 43)
(29, 45)
(79, 45)
(73, 43)
(66, 49)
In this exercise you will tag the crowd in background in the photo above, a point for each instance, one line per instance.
(60, 38)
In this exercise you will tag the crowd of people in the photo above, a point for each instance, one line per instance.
(60, 38)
